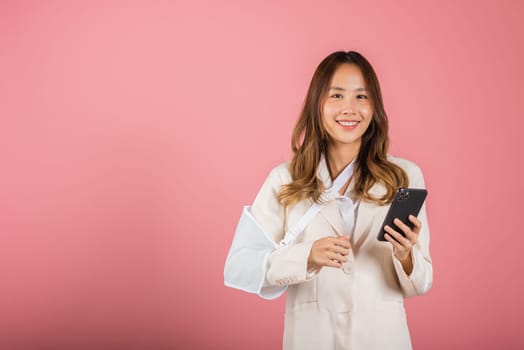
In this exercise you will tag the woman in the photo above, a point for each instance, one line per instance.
(345, 288)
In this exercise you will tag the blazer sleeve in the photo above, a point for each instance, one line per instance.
(287, 264)
(420, 280)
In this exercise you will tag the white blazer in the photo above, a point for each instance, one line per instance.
(360, 309)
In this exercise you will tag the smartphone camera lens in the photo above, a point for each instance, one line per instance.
(403, 195)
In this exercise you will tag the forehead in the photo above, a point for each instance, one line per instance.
(348, 76)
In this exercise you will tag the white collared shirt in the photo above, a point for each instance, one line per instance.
(346, 203)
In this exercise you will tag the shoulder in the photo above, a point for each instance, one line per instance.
(411, 168)
(268, 193)
(280, 174)
(404, 163)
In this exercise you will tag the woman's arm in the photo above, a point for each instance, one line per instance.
(415, 270)
(287, 264)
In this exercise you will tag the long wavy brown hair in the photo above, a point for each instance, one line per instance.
(310, 140)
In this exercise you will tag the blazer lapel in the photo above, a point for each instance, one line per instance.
(364, 221)
(331, 213)
(367, 211)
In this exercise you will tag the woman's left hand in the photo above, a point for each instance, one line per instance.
(402, 245)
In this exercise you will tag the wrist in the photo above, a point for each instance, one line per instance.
(407, 264)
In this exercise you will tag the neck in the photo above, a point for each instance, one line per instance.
(339, 157)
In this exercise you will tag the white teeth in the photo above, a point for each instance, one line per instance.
(345, 123)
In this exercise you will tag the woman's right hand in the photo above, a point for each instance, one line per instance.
(328, 251)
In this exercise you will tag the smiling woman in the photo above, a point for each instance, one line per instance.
(321, 213)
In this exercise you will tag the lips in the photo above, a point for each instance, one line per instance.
(348, 123)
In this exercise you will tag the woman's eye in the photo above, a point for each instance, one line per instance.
(362, 97)
(337, 96)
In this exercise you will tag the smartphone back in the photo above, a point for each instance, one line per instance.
(407, 201)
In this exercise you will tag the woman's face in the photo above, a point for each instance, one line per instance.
(347, 109)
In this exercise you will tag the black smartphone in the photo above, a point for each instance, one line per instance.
(406, 201)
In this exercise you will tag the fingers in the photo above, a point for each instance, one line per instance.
(319, 263)
(410, 235)
(330, 251)
(336, 256)
(332, 263)
(342, 241)
(416, 222)
(401, 245)
(339, 245)
(395, 244)
(327, 261)
(336, 245)
(403, 241)
(341, 251)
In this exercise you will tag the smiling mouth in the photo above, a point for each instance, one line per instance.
(348, 122)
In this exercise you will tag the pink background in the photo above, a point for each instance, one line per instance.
(133, 132)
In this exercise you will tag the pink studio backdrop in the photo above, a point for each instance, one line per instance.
(133, 132)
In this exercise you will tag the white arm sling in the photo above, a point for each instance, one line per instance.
(246, 262)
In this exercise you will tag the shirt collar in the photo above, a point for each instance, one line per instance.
(325, 177)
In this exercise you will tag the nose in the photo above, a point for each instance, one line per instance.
(348, 108)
